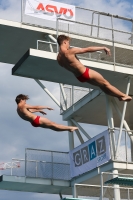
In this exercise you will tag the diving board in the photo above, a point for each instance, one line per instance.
(43, 65)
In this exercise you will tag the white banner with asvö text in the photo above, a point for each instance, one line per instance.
(90, 155)
(49, 10)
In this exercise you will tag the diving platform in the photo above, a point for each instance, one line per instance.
(51, 186)
(43, 65)
(39, 185)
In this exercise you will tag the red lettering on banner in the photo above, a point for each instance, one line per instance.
(40, 7)
(62, 11)
(53, 9)
(65, 10)
(49, 7)
(71, 12)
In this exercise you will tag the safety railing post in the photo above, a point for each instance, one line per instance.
(92, 23)
(11, 169)
(101, 196)
(36, 169)
(57, 32)
(113, 41)
(72, 94)
(25, 161)
(75, 191)
(98, 25)
(52, 169)
(21, 11)
(132, 34)
(126, 144)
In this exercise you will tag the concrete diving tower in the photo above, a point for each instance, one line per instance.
(36, 58)
(117, 69)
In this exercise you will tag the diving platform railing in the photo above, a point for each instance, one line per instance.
(122, 54)
(72, 95)
(116, 40)
(42, 164)
(107, 187)
(55, 165)
(99, 29)
(90, 28)
(105, 190)
(92, 23)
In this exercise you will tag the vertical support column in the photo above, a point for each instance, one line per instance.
(125, 125)
(71, 137)
(110, 124)
(116, 187)
(131, 148)
(123, 116)
(74, 191)
(101, 179)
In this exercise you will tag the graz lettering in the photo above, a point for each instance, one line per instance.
(95, 149)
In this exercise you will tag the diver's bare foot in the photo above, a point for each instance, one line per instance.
(125, 98)
(73, 128)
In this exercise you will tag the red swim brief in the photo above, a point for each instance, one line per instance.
(85, 76)
(35, 123)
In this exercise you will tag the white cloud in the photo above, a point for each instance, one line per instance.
(11, 11)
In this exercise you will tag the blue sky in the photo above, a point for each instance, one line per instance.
(15, 134)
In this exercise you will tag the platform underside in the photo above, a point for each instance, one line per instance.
(16, 183)
(92, 110)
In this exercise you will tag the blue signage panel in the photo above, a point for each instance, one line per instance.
(90, 155)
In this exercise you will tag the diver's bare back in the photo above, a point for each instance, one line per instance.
(25, 114)
(68, 60)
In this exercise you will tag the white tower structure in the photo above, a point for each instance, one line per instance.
(80, 102)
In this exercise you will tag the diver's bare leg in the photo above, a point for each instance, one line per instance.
(97, 79)
(46, 123)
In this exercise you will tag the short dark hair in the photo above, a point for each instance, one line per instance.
(61, 38)
(21, 97)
